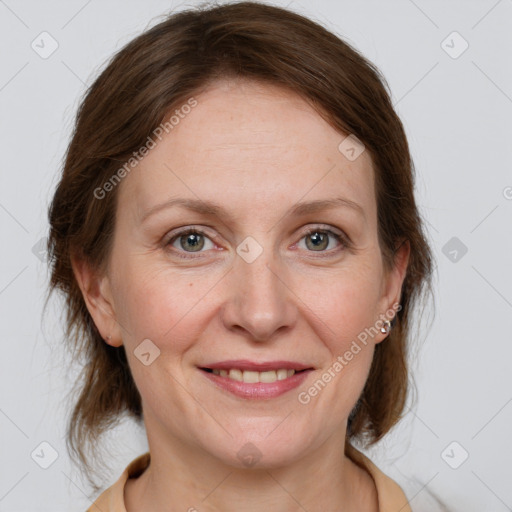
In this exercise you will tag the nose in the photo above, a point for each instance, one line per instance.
(260, 302)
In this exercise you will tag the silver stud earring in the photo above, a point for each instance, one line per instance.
(386, 327)
(109, 338)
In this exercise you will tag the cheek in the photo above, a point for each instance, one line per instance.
(347, 304)
(348, 309)
(157, 303)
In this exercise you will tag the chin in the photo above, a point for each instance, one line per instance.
(244, 452)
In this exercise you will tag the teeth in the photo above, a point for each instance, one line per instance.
(270, 376)
(236, 375)
(251, 377)
(282, 374)
(248, 376)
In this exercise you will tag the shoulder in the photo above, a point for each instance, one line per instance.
(112, 499)
(391, 497)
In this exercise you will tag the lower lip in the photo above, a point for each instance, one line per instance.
(258, 390)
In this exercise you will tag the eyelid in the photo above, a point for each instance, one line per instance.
(184, 230)
(341, 237)
(328, 229)
(338, 234)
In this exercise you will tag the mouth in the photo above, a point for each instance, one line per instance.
(256, 380)
(252, 376)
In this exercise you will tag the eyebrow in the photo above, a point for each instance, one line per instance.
(209, 208)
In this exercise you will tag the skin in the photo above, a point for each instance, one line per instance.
(256, 150)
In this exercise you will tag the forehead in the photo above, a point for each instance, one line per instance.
(255, 146)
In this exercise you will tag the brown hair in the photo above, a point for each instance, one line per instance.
(141, 84)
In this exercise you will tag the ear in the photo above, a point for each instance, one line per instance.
(96, 291)
(392, 285)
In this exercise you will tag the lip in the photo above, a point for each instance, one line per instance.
(244, 364)
(257, 390)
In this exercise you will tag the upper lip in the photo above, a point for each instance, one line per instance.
(243, 364)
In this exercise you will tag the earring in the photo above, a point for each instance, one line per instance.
(386, 327)
(109, 338)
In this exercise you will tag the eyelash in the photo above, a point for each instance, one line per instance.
(342, 239)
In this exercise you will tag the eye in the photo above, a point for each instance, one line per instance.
(319, 240)
(190, 240)
(193, 240)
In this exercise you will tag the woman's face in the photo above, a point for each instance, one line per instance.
(271, 276)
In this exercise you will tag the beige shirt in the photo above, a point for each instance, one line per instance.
(391, 497)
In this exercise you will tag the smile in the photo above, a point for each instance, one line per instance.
(252, 377)
(252, 383)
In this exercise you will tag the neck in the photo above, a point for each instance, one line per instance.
(187, 478)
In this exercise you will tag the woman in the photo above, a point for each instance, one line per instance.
(236, 236)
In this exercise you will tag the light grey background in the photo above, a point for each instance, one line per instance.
(457, 115)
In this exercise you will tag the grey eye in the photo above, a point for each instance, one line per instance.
(318, 241)
(190, 241)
